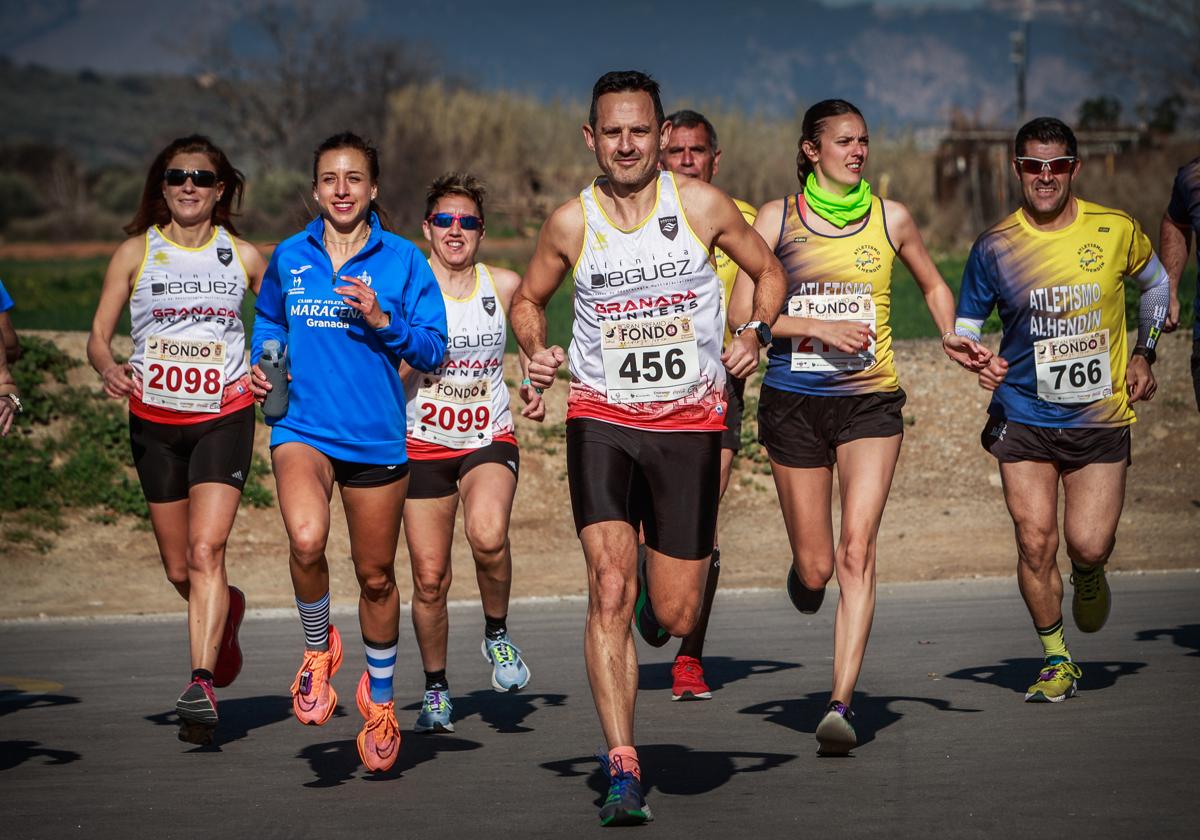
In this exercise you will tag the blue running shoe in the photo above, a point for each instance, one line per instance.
(624, 804)
(436, 710)
(509, 671)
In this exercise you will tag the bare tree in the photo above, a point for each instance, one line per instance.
(293, 73)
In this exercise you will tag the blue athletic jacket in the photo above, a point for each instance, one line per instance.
(346, 398)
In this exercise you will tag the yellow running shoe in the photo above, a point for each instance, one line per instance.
(379, 741)
(1092, 599)
(1055, 683)
(313, 697)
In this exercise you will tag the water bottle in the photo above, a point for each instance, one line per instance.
(274, 365)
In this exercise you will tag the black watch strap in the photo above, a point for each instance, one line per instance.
(1147, 353)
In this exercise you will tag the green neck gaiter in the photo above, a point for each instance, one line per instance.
(839, 210)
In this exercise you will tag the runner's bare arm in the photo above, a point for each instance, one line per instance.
(114, 296)
(10, 345)
(910, 247)
(1175, 241)
(253, 262)
(8, 408)
(506, 286)
(559, 243)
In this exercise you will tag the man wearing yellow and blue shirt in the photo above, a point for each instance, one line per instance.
(692, 150)
(1175, 238)
(1064, 381)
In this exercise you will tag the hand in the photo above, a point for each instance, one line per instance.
(358, 295)
(970, 354)
(8, 413)
(117, 380)
(1172, 321)
(741, 357)
(260, 385)
(544, 364)
(1139, 379)
(847, 336)
(993, 374)
(535, 406)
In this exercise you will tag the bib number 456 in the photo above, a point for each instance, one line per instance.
(653, 365)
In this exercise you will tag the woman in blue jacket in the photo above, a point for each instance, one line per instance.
(349, 301)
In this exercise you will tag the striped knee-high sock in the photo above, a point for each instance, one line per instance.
(315, 618)
(381, 664)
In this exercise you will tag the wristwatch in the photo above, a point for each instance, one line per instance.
(1148, 353)
(761, 331)
(16, 401)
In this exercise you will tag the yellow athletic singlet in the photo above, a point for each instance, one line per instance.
(835, 277)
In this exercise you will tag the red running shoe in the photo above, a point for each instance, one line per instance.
(313, 697)
(379, 740)
(687, 680)
(229, 654)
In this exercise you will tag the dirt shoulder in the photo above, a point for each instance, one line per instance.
(945, 518)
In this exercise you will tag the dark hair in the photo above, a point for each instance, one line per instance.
(152, 209)
(455, 183)
(691, 119)
(813, 125)
(1046, 130)
(350, 140)
(622, 81)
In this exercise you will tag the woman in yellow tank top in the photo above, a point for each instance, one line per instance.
(831, 395)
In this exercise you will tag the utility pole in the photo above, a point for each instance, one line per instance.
(1019, 40)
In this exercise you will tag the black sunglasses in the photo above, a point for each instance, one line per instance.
(203, 178)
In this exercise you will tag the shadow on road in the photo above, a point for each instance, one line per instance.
(336, 762)
(239, 717)
(15, 753)
(503, 712)
(1185, 635)
(872, 713)
(1018, 674)
(15, 700)
(674, 769)
(719, 671)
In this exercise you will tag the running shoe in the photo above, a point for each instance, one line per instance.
(379, 741)
(509, 671)
(1056, 681)
(808, 601)
(313, 697)
(197, 710)
(687, 680)
(624, 804)
(436, 713)
(835, 734)
(1092, 599)
(643, 613)
(229, 654)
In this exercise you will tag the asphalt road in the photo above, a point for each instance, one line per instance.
(88, 745)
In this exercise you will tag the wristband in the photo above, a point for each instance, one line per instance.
(1147, 353)
(526, 381)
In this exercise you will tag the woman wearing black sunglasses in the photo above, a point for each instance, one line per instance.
(183, 274)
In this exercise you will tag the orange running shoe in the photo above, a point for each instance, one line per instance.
(379, 741)
(313, 697)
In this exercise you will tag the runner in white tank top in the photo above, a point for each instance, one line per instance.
(184, 274)
(189, 343)
(645, 411)
(461, 445)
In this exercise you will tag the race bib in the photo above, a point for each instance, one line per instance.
(184, 375)
(812, 354)
(455, 413)
(650, 360)
(1073, 369)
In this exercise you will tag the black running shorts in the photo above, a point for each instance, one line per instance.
(355, 474)
(735, 400)
(436, 478)
(667, 483)
(1068, 449)
(805, 430)
(170, 458)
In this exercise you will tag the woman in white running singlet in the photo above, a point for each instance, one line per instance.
(184, 273)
